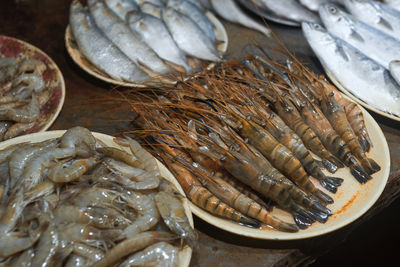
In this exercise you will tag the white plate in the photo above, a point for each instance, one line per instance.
(86, 65)
(351, 200)
(359, 101)
(11, 47)
(186, 252)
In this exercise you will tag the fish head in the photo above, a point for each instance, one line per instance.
(133, 16)
(314, 31)
(335, 19)
(151, 9)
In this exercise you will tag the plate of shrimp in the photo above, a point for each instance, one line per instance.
(192, 63)
(237, 141)
(32, 89)
(79, 191)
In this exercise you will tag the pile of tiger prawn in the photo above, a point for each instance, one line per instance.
(76, 202)
(244, 131)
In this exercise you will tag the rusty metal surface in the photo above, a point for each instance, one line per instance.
(43, 22)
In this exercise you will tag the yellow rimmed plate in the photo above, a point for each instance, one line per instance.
(86, 65)
(185, 253)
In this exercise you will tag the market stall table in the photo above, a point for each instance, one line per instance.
(43, 22)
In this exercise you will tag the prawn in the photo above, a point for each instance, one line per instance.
(79, 138)
(163, 253)
(28, 113)
(131, 245)
(64, 172)
(17, 129)
(120, 155)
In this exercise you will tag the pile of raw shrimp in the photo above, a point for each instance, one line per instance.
(242, 133)
(76, 202)
(23, 92)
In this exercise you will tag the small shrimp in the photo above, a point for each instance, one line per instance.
(12, 243)
(80, 138)
(149, 216)
(131, 245)
(92, 196)
(163, 253)
(149, 163)
(47, 247)
(24, 154)
(77, 232)
(33, 172)
(120, 155)
(8, 68)
(31, 65)
(174, 216)
(64, 172)
(25, 259)
(91, 254)
(26, 114)
(4, 126)
(28, 81)
(98, 217)
(17, 129)
(140, 179)
(76, 261)
(6, 153)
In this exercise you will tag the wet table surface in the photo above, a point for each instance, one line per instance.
(43, 22)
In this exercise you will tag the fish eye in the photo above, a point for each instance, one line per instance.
(317, 26)
(332, 10)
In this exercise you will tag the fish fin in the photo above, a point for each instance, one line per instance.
(341, 52)
(385, 23)
(355, 35)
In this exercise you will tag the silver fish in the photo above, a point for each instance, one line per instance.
(376, 15)
(377, 45)
(230, 11)
(151, 9)
(188, 36)
(120, 34)
(98, 49)
(205, 4)
(122, 7)
(154, 2)
(393, 4)
(359, 74)
(155, 34)
(288, 9)
(193, 12)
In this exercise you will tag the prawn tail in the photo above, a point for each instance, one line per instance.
(322, 196)
(320, 216)
(373, 167)
(331, 183)
(319, 208)
(249, 221)
(358, 172)
(284, 226)
(303, 219)
(365, 142)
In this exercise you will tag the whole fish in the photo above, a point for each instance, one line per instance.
(156, 35)
(120, 34)
(393, 4)
(359, 74)
(376, 44)
(376, 15)
(230, 11)
(122, 7)
(98, 49)
(188, 36)
(288, 9)
(196, 14)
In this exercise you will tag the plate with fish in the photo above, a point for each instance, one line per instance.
(175, 61)
(120, 225)
(351, 200)
(32, 89)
